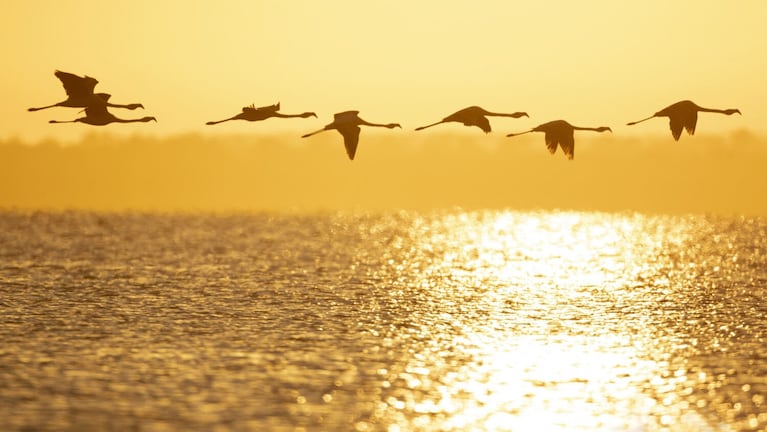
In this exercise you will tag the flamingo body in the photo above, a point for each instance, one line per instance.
(348, 124)
(80, 93)
(96, 114)
(683, 115)
(559, 133)
(474, 116)
(253, 113)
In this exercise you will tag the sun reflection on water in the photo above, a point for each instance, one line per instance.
(553, 349)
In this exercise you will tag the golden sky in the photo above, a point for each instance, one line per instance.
(594, 63)
(589, 62)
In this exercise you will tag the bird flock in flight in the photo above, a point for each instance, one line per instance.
(558, 133)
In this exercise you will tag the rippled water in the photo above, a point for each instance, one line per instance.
(398, 322)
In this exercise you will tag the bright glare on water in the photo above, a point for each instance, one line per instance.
(467, 321)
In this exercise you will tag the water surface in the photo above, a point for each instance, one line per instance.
(488, 320)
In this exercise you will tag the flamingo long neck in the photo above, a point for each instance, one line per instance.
(281, 115)
(713, 110)
(367, 123)
(514, 115)
(128, 106)
(142, 120)
(595, 129)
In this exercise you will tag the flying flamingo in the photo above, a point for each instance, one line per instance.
(473, 116)
(251, 113)
(96, 114)
(684, 115)
(80, 93)
(560, 132)
(348, 124)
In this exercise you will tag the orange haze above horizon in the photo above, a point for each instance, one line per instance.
(593, 63)
(721, 174)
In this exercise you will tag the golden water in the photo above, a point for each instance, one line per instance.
(396, 322)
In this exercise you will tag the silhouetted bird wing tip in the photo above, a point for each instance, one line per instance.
(351, 140)
(568, 146)
(676, 124)
(484, 124)
(76, 85)
(347, 113)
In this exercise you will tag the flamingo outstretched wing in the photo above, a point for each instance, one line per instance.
(76, 85)
(551, 142)
(265, 109)
(351, 139)
(567, 142)
(676, 124)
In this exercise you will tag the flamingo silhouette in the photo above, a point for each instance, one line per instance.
(80, 93)
(560, 132)
(96, 114)
(251, 113)
(348, 124)
(684, 115)
(473, 116)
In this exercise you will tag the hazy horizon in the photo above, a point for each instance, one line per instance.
(593, 64)
(707, 173)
